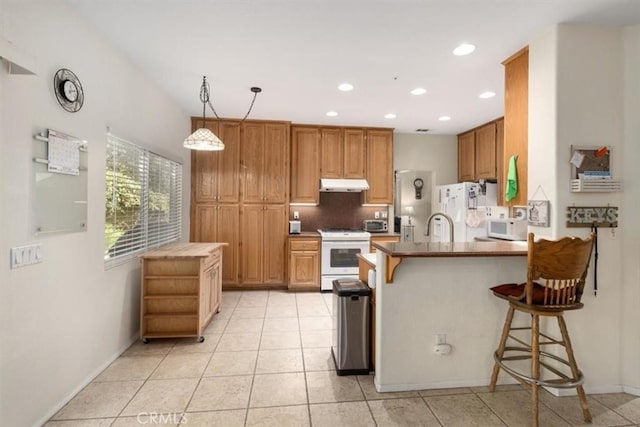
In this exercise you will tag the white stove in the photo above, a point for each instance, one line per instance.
(335, 234)
(340, 248)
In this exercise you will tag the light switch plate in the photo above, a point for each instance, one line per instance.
(22, 256)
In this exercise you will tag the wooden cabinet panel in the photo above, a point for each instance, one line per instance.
(228, 224)
(379, 167)
(485, 151)
(252, 155)
(332, 153)
(305, 165)
(220, 223)
(215, 173)
(275, 243)
(252, 239)
(276, 162)
(499, 163)
(354, 153)
(304, 264)
(229, 162)
(263, 244)
(516, 122)
(265, 162)
(466, 157)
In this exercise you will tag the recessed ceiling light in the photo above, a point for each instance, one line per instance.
(345, 87)
(486, 95)
(419, 91)
(464, 49)
(390, 116)
(332, 113)
(444, 118)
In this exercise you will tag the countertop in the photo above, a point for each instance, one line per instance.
(306, 234)
(464, 249)
(195, 250)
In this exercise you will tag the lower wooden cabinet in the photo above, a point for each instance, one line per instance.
(304, 263)
(180, 289)
(263, 245)
(381, 239)
(220, 223)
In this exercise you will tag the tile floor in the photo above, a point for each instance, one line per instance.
(266, 361)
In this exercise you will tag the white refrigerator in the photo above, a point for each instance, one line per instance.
(465, 203)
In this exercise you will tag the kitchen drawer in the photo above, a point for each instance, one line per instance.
(304, 245)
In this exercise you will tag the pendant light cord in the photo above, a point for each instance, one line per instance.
(205, 99)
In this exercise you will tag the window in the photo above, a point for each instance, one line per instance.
(143, 206)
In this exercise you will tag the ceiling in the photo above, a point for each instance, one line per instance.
(299, 51)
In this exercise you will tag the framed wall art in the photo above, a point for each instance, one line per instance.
(538, 213)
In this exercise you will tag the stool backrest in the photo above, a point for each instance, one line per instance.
(560, 266)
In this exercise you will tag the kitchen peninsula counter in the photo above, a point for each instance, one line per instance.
(429, 289)
(444, 249)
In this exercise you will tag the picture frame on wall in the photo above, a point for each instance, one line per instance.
(538, 213)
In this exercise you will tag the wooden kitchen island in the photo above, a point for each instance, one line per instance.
(180, 289)
(429, 289)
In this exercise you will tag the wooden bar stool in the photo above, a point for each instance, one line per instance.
(556, 272)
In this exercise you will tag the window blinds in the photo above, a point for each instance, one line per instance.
(143, 200)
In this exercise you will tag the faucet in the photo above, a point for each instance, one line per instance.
(445, 216)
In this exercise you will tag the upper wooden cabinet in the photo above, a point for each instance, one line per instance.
(516, 122)
(478, 153)
(305, 164)
(343, 153)
(265, 162)
(499, 162)
(379, 171)
(214, 174)
(486, 151)
(467, 157)
(331, 146)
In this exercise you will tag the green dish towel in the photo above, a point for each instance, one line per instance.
(512, 180)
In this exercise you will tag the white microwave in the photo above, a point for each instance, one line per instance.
(507, 228)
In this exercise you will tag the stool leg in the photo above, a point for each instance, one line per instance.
(535, 367)
(500, 351)
(574, 369)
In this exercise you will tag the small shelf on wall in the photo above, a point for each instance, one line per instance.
(595, 185)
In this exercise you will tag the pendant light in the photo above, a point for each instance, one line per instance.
(203, 138)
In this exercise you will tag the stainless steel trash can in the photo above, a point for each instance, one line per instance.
(350, 340)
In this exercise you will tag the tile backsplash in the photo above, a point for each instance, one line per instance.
(336, 210)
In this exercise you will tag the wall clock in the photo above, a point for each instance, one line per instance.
(68, 90)
(418, 183)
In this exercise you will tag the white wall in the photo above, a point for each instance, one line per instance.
(630, 220)
(577, 98)
(65, 319)
(436, 153)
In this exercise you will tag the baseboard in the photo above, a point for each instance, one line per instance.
(86, 381)
(437, 385)
(631, 390)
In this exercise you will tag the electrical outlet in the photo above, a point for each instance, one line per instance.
(296, 215)
(441, 339)
(384, 214)
(376, 215)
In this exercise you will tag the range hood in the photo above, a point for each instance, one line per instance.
(344, 185)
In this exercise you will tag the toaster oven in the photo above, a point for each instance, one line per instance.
(375, 225)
